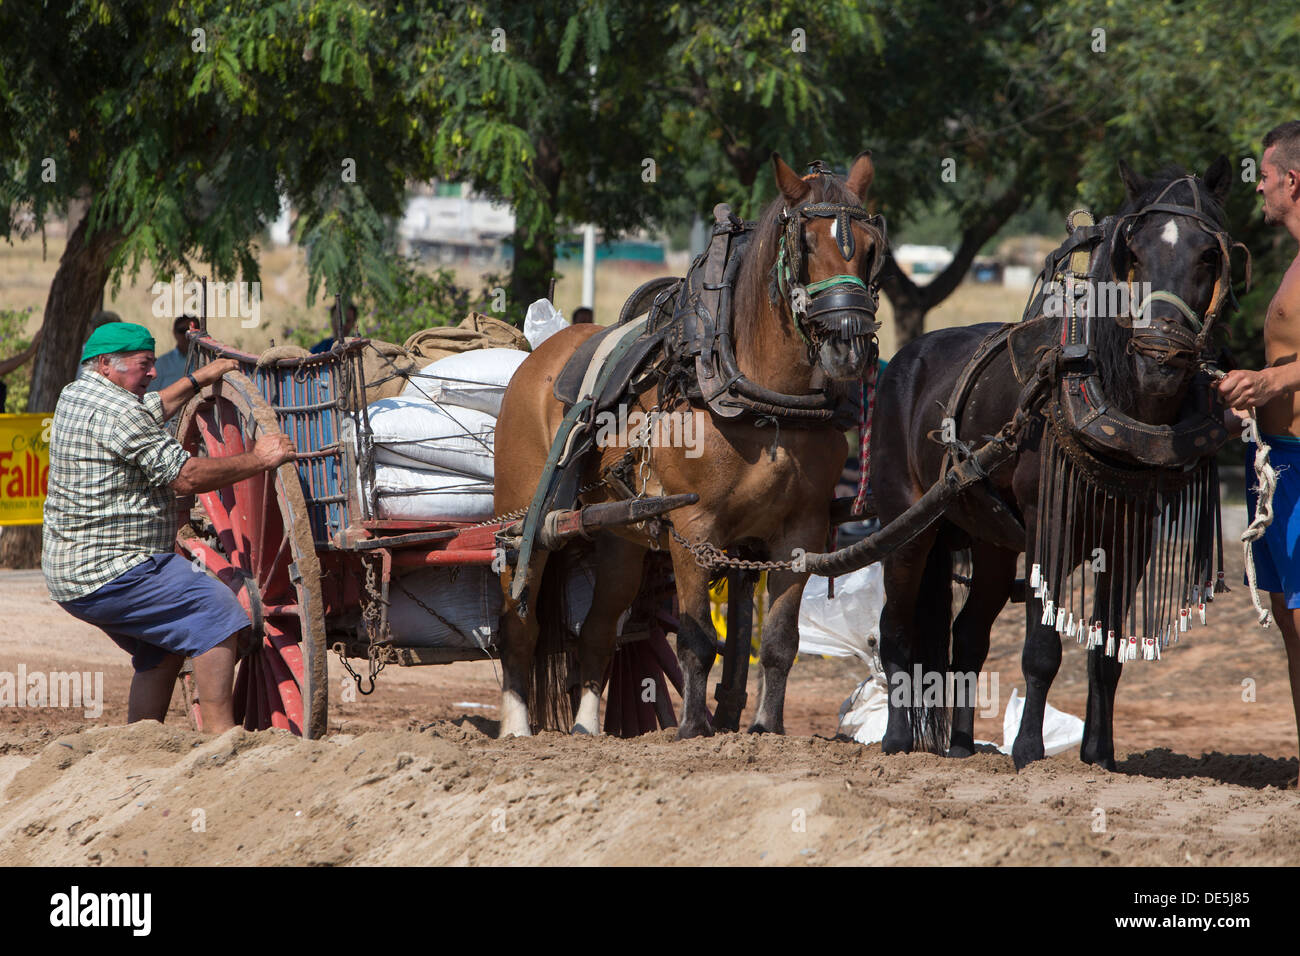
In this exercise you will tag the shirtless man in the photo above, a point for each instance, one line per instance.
(1275, 394)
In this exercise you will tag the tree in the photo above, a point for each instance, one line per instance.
(181, 123)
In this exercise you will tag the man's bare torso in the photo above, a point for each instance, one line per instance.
(1281, 416)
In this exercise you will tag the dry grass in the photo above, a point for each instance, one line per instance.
(25, 277)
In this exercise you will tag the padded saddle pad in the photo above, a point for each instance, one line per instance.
(583, 372)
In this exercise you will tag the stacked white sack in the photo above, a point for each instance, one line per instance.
(434, 443)
(422, 494)
(444, 438)
(474, 380)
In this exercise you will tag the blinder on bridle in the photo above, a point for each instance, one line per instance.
(815, 305)
(1167, 340)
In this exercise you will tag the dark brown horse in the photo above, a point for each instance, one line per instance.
(766, 490)
(1177, 253)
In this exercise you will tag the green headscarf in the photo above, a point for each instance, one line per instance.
(117, 337)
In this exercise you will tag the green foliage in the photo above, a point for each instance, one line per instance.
(13, 340)
(416, 300)
(554, 106)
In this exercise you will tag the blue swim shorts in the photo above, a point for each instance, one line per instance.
(1277, 553)
(162, 606)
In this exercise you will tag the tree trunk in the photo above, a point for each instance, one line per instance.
(75, 294)
(911, 302)
(534, 265)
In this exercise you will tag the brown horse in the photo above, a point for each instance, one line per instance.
(766, 490)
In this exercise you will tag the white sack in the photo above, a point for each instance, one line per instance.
(476, 379)
(423, 494)
(842, 626)
(864, 715)
(1061, 731)
(542, 321)
(419, 434)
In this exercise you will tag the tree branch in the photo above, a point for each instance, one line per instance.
(972, 238)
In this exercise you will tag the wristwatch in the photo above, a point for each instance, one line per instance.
(193, 381)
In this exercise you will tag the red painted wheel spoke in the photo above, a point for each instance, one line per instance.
(285, 641)
(273, 576)
(286, 698)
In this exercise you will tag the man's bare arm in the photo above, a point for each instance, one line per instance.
(175, 395)
(1242, 388)
(208, 474)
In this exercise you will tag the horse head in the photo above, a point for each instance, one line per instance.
(828, 258)
(1170, 248)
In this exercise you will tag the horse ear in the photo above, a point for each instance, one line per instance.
(1218, 178)
(1133, 183)
(862, 172)
(792, 187)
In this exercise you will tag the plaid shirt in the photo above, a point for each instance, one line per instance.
(109, 505)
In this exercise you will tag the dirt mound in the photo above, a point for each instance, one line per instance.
(154, 794)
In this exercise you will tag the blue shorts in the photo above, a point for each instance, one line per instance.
(1277, 553)
(162, 606)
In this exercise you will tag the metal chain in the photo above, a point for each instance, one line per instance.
(709, 556)
(643, 443)
(521, 512)
(370, 618)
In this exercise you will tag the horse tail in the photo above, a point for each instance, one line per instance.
(930, 719)
(550, 704)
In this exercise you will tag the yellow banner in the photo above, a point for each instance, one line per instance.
(24, 467)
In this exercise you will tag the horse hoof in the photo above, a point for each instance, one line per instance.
(896, 745)
(758, 728)
(961, 751)
(580, 731)
(1105, 763)
(688, 730)
(1023, 758)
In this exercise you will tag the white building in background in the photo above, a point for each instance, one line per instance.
(281, 233)
(449, 223)
(922, 263)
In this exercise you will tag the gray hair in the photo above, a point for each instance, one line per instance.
(116, 359)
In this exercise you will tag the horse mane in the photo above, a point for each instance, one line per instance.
(1113, 360)
(752, 293)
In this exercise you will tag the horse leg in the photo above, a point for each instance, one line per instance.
(1039, 661)
(903, 576)
(518, 643)
(992, 576)
(778, 648)
(618, 579)
(1098, 747)
(696, 642)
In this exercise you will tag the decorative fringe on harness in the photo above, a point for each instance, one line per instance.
(1146, 543)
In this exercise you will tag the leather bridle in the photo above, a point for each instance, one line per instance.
(813, 304)
(1166, 340)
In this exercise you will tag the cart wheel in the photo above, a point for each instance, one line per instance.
(267, 557)
(627, 712)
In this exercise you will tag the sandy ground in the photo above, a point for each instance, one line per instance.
(412, 774)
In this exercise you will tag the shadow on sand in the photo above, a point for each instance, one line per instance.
(1245, 770)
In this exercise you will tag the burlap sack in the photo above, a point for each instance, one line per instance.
(277, 352)
(477, 331)
(385, 366)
